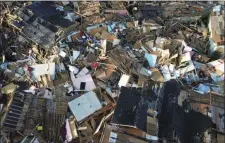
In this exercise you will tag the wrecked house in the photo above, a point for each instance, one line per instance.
(40, 26)
(99, 72)
(216, 29)
(173, 117)
(112, 134)
(90, 12)
(139, 112)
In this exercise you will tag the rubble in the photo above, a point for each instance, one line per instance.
(99, 72)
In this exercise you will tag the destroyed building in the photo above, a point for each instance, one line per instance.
(100, 72)
(135, 112)
(40, 22)
(216, 28)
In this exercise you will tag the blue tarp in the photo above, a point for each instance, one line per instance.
(151, 59)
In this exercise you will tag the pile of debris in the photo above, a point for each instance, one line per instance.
(112, 72)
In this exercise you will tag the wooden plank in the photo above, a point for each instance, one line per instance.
(44, 80)
(73, 127)
(120, 136)
(106, 98)
(93, 123)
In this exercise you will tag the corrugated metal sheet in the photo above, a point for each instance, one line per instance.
(16, 112)
(53, 119)
(218, 118)
(42, 9)
(85, 105)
